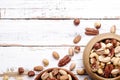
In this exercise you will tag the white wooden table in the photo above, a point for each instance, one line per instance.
(31, 30)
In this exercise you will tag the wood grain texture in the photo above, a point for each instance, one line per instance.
(59, 9)
(49, 32)
(13, 57)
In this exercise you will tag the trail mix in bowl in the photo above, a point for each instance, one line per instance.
(105, 58)
(56, 74)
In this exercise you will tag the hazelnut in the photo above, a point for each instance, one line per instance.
(97, 46)
(114, 42)
(77, 49)
(20, 70)
(45, 62)
(97, 25)
(76, 21)
(107, 41)
(31, 73)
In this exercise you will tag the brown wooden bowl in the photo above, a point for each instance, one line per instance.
(50, 69)
(86, 54)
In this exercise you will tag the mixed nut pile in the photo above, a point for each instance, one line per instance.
(56, 74)
(105, 58)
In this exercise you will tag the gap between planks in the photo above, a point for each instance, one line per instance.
(19, 45)
(40, 18)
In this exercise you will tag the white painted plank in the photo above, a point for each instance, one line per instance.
(49, 32)
(28, 57)
(60, 8)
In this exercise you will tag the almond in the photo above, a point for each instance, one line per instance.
(55, 55)
(38, 68)
(72, 66)
(77, 39)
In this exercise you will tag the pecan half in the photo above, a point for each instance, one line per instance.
(66, 59)
(91, 31)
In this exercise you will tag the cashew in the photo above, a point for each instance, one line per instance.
(107, 51)
(50, 75)
(103, 45)
(102, 65)
(119, 63)
(109, 45)
(117, 54)
(44, 76)
(94, 55)
(104, 59)
(117, 49)
(115, 71)
(92, 60)
(100, 71)
(115, 61)
(62, 72)
(69, 76)
(101, 57)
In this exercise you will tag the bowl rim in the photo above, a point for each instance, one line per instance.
(49, 69)
(87, 50)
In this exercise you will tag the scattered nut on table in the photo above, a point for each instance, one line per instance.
(72, 66)
(65, 60)
(97, 25)
(76, 21)
(113, 29)
(77, 39)
(31, 73)
(20, 70)
(38, 68)
(80, 71)
(45, 62)
(105, 58)
(71, 51)
(56, 55)
(77, 49)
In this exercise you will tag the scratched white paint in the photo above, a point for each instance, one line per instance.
(49, 32)
(60, 8)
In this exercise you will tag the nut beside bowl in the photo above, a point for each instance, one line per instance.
(56, 72)
(87, 56)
